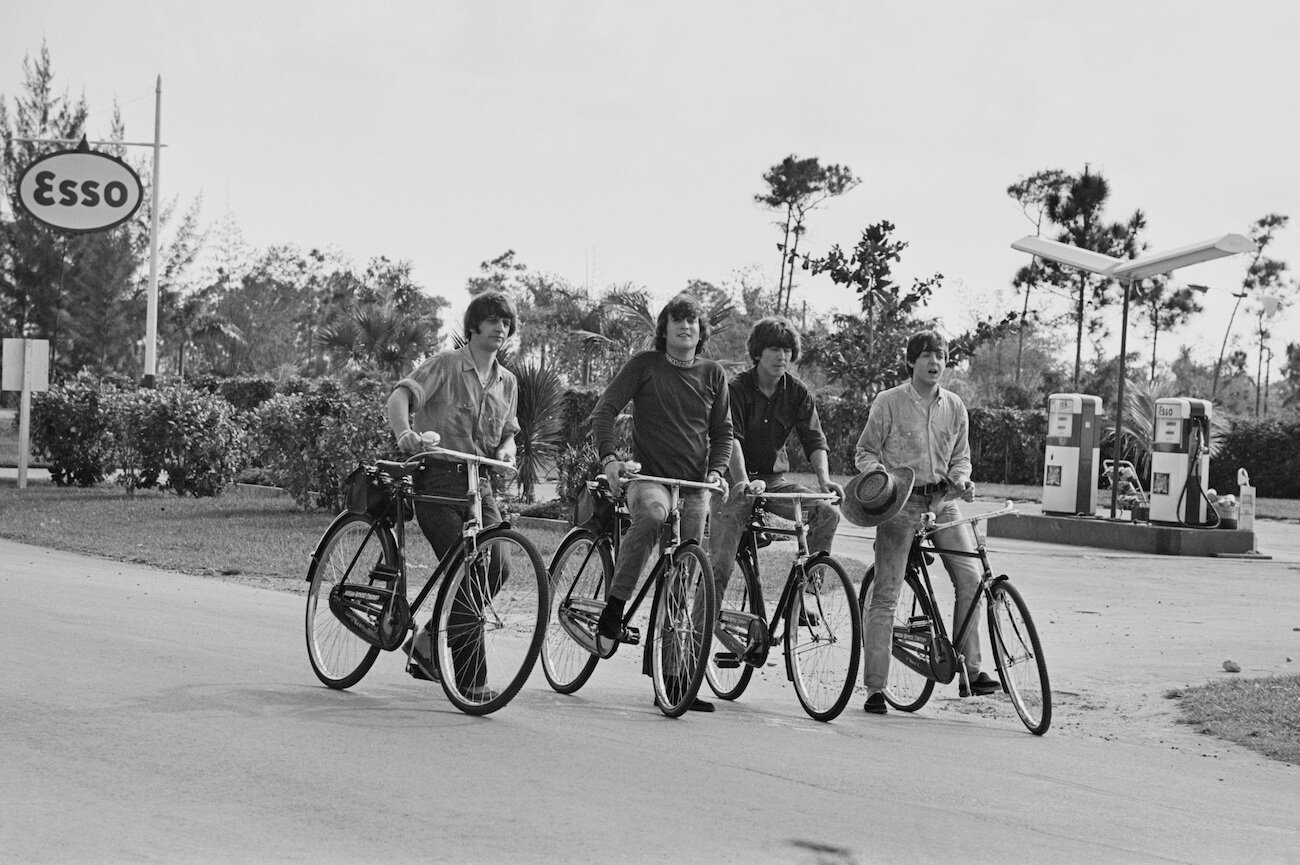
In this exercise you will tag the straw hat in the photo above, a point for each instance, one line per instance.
(875, 496)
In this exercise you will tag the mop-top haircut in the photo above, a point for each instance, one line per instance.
(773, 332)
(683, 307)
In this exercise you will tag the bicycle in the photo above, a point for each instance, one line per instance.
(490, 613)
(684, 601)
(823, 624)
(922, 653)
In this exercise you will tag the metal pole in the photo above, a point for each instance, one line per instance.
(151, 313)
(1119, 404)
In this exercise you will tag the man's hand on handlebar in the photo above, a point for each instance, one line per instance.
(412, 442)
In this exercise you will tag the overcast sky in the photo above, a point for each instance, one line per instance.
(611, 142)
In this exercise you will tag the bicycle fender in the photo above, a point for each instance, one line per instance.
(320, 544)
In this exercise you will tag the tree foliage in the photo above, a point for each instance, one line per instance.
(84, 293)
(795, 187)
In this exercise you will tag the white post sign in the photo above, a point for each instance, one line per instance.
(26, 368)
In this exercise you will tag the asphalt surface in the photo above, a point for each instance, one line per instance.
(147, 716)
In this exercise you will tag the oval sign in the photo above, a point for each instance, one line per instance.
(80, 191)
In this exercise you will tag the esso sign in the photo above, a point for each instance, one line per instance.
(80, 191)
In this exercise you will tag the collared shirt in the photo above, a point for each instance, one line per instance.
(762, 424)
(448, 398)
(932, 437)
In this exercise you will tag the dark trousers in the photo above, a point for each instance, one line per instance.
(443, 525)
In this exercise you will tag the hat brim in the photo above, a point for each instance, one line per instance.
(854, 511)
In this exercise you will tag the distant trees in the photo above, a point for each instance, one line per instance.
(84, 293)
(795, 187)
(1262, 274)
(1074, 205)
(864, 351)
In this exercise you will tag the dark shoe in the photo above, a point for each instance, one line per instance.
(610, 624)
(697, 705)
(876, 704)
(984, 684)
(481, 693)
(419, 650)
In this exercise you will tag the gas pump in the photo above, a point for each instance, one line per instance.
(1072, 455)
(1180, 463)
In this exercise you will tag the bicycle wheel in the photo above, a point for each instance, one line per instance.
(685, 608)
(580, 569)
(348, 551)
(742, 595)
(1019, 657)
(491, 618)
(906, 688)
(823, 638)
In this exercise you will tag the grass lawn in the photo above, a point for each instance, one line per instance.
(1262, 714)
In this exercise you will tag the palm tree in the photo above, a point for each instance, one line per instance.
(378, 336)
(541, 424)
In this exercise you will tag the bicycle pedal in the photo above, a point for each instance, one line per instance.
(726, 660)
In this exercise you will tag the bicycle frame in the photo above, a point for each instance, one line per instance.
(406, 497)
(794, 578)
(924, 545)
(666, 549)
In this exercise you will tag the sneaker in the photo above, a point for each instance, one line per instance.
(419, 651)
(876, 704)
(984, 684)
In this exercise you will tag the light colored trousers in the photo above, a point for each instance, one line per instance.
(647, 503)
(893, 542)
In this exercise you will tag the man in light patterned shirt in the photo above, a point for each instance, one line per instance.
(921, 426)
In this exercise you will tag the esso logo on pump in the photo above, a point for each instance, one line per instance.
(80, 191)
(1167, 411)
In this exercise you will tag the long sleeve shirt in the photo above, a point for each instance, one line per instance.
(762, 424)
(932, 437)
(681, 418)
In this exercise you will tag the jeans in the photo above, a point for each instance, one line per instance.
(647, 503)
(442, 525)
(728, 520)
(893, 542)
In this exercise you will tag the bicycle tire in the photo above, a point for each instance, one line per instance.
(1019, 656)
(681, 631)
(744, 595)
(491, 619)
(348, 550)
(905, 689)
(823, 638)
(581, 568)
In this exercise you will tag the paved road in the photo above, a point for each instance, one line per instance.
(156, 717)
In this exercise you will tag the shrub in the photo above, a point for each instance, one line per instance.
(192, 436)
(310, 439)
(1269, 449)
(68, 430)
(246, 393)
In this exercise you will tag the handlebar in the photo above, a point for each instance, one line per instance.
(929, 526)
(718, 487)
(806, 497)
(461, 456)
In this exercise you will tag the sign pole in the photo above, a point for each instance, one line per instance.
(151, 314)
(25, 411)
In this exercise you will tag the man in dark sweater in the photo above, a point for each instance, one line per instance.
(681, 428)
(767, 404)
